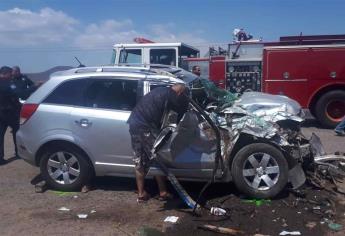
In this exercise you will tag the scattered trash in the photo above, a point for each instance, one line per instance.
(222, 230)
(310, 225)
(335, 226)
(92, 211)
(82, 216)
(171, 219)
(75, 196)
(257, 202)
(290, 233)
(284, 225)
(217, 211)
(317, 208)
(63, 209)
(298, 212)
(41, 187)
(273, 211)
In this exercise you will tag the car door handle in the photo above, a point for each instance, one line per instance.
(83, 123)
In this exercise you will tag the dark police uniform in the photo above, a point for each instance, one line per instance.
(25, 85)
(146, 119)
(10, 92)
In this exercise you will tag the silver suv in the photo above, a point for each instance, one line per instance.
(74, 127)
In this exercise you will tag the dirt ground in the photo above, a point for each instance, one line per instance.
(111, 206)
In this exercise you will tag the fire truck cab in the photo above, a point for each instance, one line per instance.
(153, 53)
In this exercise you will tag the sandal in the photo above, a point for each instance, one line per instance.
(144, 198)
(166, 197)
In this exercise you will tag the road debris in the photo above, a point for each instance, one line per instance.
(63, 209)
(82, 216)
(290, 233)
(92, 211)
(334, 226)
(217, 211)
(171, 219)
(257, 202)
(221, 230)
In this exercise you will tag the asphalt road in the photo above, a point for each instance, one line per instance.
(111, 206)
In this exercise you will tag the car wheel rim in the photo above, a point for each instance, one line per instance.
(63, 167)
(261, 171)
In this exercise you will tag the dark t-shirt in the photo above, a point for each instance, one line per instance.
(9, 103)
(149, 111)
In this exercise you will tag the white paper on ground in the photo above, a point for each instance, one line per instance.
(290, 233)
(82, 216)
(171, 219)
(63, 209)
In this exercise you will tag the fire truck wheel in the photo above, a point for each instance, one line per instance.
(260, 170)
(330, 108)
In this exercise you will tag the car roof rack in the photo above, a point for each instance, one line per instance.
(128, 69)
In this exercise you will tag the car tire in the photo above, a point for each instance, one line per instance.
(260, 170)
(65, 168)
(330, 108)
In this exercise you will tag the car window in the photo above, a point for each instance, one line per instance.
(68, 93)
(163, 56)
(157, 85)
(130, 56)
(116, 94)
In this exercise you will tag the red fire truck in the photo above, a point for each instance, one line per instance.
(309, 69)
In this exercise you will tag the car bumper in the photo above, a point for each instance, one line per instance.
(23, 151)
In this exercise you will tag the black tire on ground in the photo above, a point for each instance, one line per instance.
(241, 159)
(326, 110)
(84, 166)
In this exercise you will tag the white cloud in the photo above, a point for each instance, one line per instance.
(165, 33)
(21, 27)
(106, 33)
(109, 32)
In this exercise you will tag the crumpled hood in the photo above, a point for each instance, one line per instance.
(270, 107)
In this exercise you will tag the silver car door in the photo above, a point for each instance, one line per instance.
(101, 126)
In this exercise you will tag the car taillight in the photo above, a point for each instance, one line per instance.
(27, 111)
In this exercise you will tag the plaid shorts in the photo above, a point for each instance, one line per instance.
(142, 144)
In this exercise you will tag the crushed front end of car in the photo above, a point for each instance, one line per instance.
(231, 143)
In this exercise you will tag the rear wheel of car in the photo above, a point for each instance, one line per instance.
(330, 108)
(260, 170)
(65, 168)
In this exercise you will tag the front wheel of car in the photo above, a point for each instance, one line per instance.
(65, 168)
(260, 170)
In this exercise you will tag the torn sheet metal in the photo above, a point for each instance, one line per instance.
(270, 107)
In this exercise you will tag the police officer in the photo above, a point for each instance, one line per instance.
(9, 106)
(144, 122)
(23, 83)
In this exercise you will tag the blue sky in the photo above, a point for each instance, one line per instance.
(38, 35)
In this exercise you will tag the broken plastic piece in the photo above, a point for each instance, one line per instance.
(171, 219)
(82, 216)
(63, 209)
(290, 233)
(335, 226)
(258, 202)
(217, 211)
